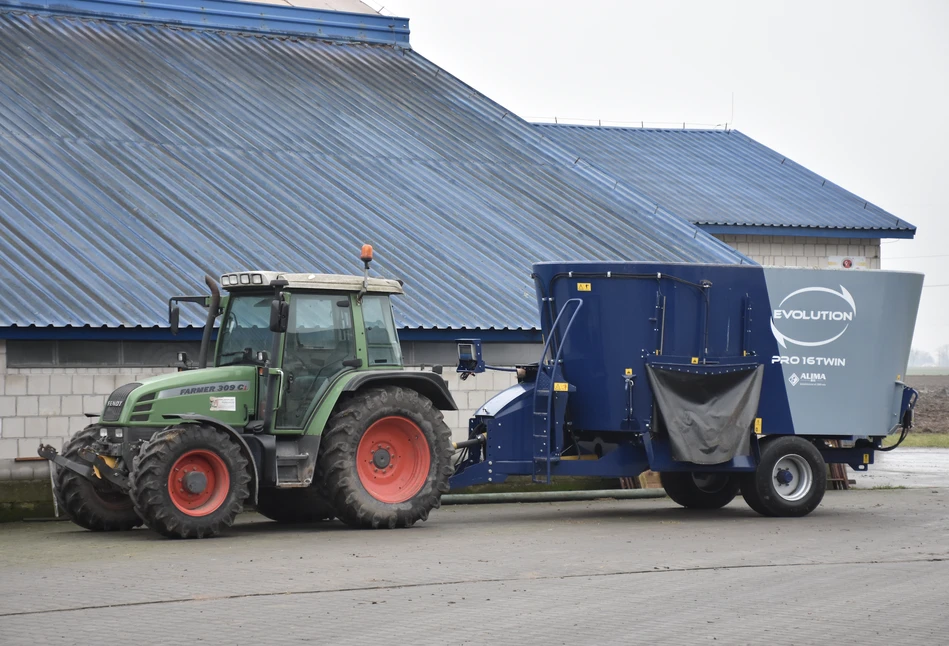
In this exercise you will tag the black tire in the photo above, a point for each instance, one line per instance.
(150, 482)
(800, 461)
(749, 491)
(296, 505)
(100, 508)
(340, 477)
(700, 490)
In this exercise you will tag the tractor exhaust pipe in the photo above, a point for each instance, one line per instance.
(209, 324)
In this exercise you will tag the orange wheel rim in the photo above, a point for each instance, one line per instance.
(198, 482)
(393, 459)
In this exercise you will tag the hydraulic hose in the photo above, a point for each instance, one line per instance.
(549, 496)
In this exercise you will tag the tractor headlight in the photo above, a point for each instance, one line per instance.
(103, 432)
(119, 432)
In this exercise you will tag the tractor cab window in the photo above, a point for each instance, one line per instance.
(245, 330)
(319, 338)
(382, 342)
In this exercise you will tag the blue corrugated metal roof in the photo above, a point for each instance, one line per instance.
(135, 158)
(718, 178)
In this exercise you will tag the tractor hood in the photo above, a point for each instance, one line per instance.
(228, 394)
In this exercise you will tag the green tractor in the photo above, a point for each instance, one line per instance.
(304, 411)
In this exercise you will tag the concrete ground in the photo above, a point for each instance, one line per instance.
(906, 467)
(869, 567)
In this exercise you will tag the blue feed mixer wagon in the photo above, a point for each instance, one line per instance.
(719, 377)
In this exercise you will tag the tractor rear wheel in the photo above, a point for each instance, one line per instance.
(385, 458)
(190, 481)
(700, 490)
(297, 505)
(98, 507)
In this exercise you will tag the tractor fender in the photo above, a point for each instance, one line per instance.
(192, 418)
(428, 384)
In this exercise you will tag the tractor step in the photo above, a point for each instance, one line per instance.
(289, 459)
(296, 460)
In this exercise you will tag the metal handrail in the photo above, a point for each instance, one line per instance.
(553, 329)
(553, 373)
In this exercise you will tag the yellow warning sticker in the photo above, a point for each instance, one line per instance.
(583, 287)
(695, 361)
(560, 386)
(757, 426)
(629, 372)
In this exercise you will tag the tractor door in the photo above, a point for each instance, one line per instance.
(382, 340)
(319, 339)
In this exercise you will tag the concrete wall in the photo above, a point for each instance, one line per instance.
(48, 404)
(793, 251)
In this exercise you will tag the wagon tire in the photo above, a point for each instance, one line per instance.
(385, 458)
(790, 480)
(749, 491)
(100, 508)
(700, 490)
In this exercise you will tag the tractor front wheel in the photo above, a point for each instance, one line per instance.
(98, 507)
(190, 481)
(385, 458)
(296, 505)
(700, 490)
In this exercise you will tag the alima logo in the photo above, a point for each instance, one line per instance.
(813, 316)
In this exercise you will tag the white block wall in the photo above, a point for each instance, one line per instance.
(48, 405)
(470, 395)
(793, 251)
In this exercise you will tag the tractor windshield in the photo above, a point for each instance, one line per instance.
(245, 330)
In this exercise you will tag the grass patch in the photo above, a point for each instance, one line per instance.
(921, 440)
(888, 487)
(926, 372)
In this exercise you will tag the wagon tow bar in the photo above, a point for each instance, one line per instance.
(474, 441)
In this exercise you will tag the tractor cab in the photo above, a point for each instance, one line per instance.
(310, 327)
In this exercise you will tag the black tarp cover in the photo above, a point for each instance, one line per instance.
(708, 415)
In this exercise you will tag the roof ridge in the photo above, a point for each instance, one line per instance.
(232, 15)
(590, 126)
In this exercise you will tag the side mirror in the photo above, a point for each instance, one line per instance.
(174, 313)
(279, 315)
(353, 363)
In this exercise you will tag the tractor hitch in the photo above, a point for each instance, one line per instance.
(51, 454)
(96, 469)
(103, 469)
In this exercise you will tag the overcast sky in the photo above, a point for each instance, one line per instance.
(856, 91)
